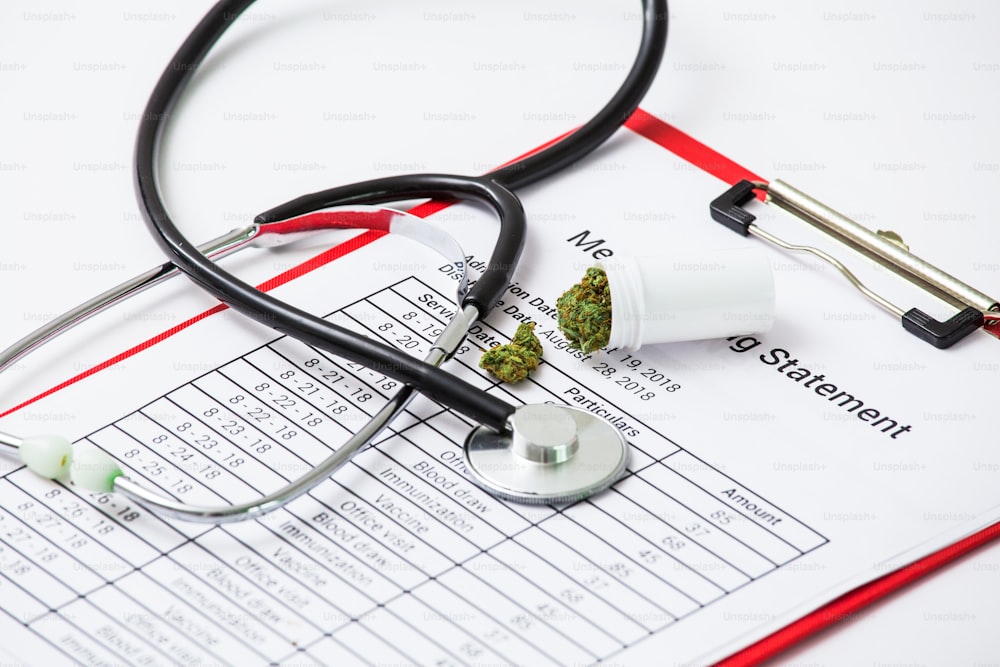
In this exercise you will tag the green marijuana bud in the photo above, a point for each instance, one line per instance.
(514, 361)
(585, 312)
(525, 338)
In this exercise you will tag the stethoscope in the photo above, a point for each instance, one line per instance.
(541, 453)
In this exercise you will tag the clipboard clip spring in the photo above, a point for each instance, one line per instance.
(976, 310)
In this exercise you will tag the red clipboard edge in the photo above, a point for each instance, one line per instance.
(847, 605)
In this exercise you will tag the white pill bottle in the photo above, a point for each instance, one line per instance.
(665, 299)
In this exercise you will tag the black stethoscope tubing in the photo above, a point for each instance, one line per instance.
(494, 190)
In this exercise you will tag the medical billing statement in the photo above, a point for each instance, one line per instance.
(749, 498)
(401, 558)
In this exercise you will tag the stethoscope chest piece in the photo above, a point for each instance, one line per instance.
(548, 454)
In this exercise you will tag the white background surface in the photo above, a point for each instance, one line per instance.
(887, 111)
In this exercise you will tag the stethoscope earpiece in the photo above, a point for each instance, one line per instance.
(49, 456)
(54, 457)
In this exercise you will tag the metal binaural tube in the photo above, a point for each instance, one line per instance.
(216, 248)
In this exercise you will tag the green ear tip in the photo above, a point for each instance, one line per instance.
(46, 455)
(94, 470)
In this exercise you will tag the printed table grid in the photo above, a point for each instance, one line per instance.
(399, 544)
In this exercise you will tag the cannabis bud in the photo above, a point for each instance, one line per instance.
(514, 361)
(585, 312)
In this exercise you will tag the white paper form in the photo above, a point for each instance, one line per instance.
(730, 416)
(404, 525)
(403, 542)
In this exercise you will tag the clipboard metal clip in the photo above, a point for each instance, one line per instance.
(976, 310)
